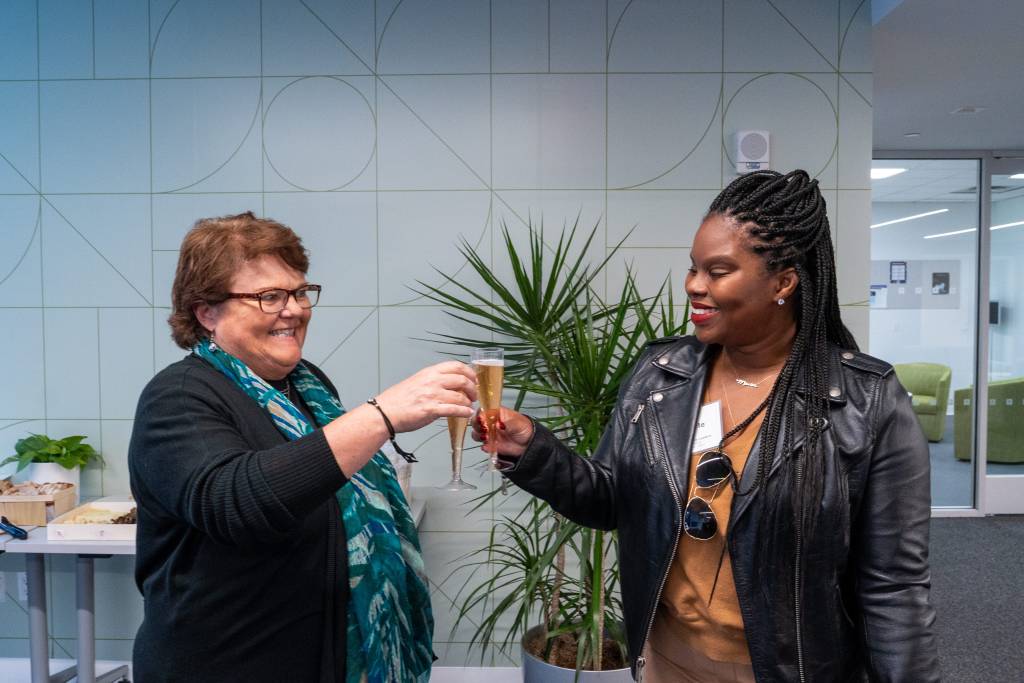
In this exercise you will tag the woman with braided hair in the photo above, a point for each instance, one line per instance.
(769, 483)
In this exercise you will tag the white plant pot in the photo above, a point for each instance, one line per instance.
(51, 472)
(536, 670)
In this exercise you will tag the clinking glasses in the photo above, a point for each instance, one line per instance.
(713, 468)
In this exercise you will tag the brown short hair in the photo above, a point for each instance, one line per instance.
(211, 253)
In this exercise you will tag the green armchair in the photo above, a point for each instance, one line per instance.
(1005, 421)
(928, 384)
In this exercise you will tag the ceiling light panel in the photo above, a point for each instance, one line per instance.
(909, 218)
(883, 173)
(951, 233)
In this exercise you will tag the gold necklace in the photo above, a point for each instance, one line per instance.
(744, 383)
(728, 403)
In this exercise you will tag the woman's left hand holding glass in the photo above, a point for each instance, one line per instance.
(511, 437)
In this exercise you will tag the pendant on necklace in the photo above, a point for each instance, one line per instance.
(745, 383)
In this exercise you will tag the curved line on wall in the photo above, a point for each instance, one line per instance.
(370, 158)
(611, 41)
(711, 122)
(465, 264)
(19, 422)
(835, 113)
(611, 38)
(31, 239)
(842, 42)
(384, 30)
(842, 46)
(252, 124)
(156, 38)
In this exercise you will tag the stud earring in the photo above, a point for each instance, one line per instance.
(782, 301)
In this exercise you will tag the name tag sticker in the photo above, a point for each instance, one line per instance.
(709, 427)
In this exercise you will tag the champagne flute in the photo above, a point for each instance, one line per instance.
(457, 434)
(489, 365)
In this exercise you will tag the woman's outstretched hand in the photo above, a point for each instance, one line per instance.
(513, 434)
(444, 390)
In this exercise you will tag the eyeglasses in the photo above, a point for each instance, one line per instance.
(275, 300)
(713, 468)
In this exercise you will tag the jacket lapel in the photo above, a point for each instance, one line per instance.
(675, 410)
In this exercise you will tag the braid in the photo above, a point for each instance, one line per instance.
(785, 217)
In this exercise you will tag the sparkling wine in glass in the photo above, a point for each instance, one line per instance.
(457, 433)
(489, 365)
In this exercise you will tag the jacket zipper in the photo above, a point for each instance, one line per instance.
(641, 661)
(798, 579)
(652, 456)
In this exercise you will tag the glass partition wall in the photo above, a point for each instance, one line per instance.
(947, 262)
(1004, 439)
(923, 302)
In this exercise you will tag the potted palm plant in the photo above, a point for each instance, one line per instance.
(553, 583)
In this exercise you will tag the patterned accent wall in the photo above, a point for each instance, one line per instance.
(382, 132)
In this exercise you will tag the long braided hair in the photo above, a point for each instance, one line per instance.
(784, 218)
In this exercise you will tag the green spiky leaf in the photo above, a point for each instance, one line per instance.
(569, 349)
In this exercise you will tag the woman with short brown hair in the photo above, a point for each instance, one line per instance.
(274, 543)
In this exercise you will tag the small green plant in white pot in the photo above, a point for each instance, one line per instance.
(42, 459)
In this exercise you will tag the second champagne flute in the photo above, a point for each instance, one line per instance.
(457, 433)
(489, 365)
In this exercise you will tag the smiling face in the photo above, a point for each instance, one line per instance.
(269, 343)
(733, 298)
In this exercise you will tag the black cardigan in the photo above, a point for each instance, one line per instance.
(241, 552)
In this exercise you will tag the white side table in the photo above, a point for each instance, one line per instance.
(35, 548)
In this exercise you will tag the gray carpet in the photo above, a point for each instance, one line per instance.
(978, 591)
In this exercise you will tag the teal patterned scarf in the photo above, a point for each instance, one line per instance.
(390, 624)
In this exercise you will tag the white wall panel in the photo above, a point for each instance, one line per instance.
(383, 132)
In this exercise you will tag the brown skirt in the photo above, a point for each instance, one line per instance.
(670, 660)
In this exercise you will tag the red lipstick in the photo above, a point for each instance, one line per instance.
(700, 314)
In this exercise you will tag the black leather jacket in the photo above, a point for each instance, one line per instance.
(864, 594)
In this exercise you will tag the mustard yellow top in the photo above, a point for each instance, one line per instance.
(716, 628)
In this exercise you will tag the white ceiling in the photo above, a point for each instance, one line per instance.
(934, 56)
(938, 180)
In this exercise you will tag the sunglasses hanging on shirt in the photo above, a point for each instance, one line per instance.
(713, 468)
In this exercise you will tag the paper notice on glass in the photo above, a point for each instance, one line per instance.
(879, 296)
(709, 427)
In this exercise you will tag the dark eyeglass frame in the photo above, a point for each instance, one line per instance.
(285, 294)
(713, 469)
